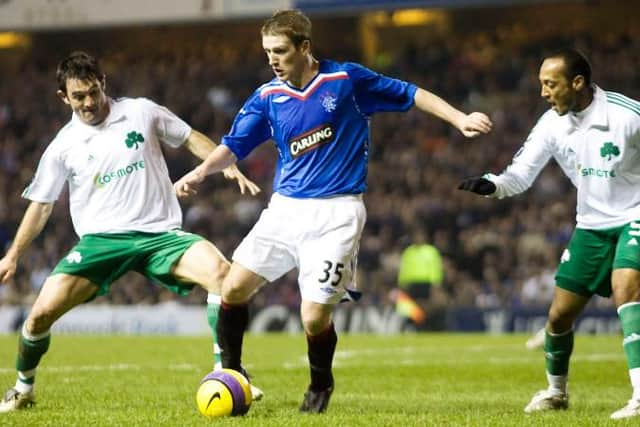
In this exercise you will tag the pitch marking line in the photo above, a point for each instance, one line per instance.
(114, 367)
(409, 356)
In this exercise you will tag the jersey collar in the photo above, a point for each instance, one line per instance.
(594, 116)
(309, 83)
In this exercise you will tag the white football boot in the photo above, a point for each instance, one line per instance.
(632, 409)
(14, 400)
(536, 341)
(256, 393)
(547, 400)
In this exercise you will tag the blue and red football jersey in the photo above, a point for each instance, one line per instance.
(322, 130)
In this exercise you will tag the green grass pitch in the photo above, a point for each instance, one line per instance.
(406, 380)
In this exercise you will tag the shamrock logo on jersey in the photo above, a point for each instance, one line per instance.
(133, 138)
(608, 150)
(74, 257)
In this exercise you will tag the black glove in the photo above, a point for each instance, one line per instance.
(478, 185)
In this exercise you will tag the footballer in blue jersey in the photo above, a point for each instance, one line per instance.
(317, 113)
(321, 130)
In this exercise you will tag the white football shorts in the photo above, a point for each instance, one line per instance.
(320, 237)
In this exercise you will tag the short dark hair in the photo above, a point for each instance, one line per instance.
(291, 23)
(575, 63)
(78, 65)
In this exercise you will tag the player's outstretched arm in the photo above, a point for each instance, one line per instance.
(33, 221)
(471, 125)
(201, 146)
(219, 159)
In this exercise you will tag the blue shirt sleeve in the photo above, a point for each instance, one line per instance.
(375, 92)
(250, 128)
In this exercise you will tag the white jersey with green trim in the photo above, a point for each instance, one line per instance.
(118, 178)
(597, 148)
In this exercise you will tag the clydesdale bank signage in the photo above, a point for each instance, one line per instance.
(66, 14)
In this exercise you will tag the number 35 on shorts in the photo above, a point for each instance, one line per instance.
(332, 273)
(328, 279)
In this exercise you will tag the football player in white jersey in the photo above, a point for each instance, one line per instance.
(123, 207)
(594, 135)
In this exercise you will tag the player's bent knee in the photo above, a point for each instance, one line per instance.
(221, 269)
(316, 318)
(315, 326)
(240, 284)
(625, 292)
(235, 292)
(559, 322)
(39, 321)
(315, 323)
(215, 277)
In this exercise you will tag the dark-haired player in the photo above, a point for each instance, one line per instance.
(123, 207)
(594, 135)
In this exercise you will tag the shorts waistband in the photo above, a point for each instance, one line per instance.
(318, 200)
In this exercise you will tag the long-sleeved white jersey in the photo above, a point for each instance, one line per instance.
(597, 148)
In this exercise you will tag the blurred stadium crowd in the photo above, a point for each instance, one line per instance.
(497, 254)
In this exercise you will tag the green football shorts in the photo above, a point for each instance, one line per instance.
(103, 258)
(586, 265)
